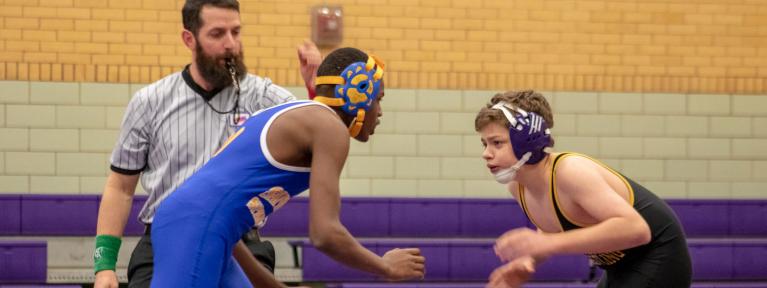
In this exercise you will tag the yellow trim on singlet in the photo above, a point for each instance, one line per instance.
(554, 186)
(521, 190)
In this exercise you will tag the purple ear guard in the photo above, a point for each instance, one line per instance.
(528, 132)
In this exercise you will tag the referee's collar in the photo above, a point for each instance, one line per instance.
(207, 95)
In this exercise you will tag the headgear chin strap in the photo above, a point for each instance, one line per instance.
(529, 133)
(355, 90)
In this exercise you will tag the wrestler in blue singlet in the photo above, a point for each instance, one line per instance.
(209, 213)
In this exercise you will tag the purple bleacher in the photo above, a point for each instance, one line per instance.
(134, 227)
(456, 285)
(530, 285)
(10, 214)
(471, 260)
(563, 267)
(290, 220)
(70, 215)
(316, 266)
(747, 217)
(366, 217)
(728, 259)
(730, 285)
(749, 260)
(721, 217)
(23, 261)
(42, 286)
(447, 260)
(489, 217)
(419, 217)
(701, 218)
(406, 285)
(75, 215)
(474, 260)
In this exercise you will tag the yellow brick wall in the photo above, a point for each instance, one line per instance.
(710, 46)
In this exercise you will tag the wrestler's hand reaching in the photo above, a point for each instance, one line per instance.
(522, 242)
(512, 274)
(404, 264)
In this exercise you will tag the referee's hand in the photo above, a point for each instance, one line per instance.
(310, 59)
(106, 279)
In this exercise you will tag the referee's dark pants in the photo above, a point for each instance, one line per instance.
(141, 263)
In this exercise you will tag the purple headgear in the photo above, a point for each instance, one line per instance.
(528, 132)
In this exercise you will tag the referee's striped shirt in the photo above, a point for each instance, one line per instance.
(168, 131)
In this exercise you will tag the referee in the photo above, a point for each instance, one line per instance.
(173, 126)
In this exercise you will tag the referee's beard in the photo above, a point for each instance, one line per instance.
(213, 68)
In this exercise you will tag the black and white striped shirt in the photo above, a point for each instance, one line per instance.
(168, 131)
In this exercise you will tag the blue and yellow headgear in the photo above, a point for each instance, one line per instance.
(355, 90)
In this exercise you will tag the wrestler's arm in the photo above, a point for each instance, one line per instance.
(330, 146)
(619, 225)
(329, 151)
(257, 273)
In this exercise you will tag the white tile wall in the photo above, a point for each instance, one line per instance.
(681, 126)
(56, 138)
(598, 125)
(30, 163)
(399, 100)
(621, 147)
(441, 145)
(729, 170)
(105, 94)
(620, 103)
(749, 190)
(54, 93)
(393, 144)
(93, 184)
(693, 170)
(750, 105)
(394, 187)
(417, 167)
(14, 184)
(14, 92)
(416, 122)
(439, 100)
(81, 164)
(355, 187)
(709, 148)
(643, 125)
(708, 104)
(665, 148)
(576, 102)
(14, 139)
(83, 116)
(41, 116)
(98, 140)
(739, 127)
(457, 123)
(640, 169)
(440, 188)
(709, 189)
(665, 104)
(55, 184)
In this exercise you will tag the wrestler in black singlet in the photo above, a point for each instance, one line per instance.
(664, 262)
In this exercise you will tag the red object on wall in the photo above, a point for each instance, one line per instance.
(327, 25)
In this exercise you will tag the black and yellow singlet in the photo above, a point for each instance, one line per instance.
(663, 262)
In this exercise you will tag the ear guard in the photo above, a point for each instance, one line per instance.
(356, 89)
(529, 133)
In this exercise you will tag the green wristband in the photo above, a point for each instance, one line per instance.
(105, 255)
